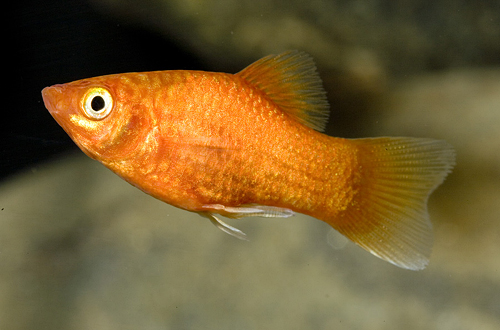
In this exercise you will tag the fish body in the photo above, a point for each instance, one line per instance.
(249, 144)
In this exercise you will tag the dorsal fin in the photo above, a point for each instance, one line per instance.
(291, 81)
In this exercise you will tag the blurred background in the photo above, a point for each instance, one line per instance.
(81, 249)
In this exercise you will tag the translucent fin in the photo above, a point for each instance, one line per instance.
(388, 215)
(250, 211)
(225, 227)
(291, 81)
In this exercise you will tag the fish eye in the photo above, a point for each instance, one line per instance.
(97, 103)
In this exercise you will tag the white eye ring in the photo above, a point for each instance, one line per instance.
(97, 103)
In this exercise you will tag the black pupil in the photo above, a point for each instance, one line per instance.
(97, 103)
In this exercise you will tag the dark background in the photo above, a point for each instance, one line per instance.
(44, 49)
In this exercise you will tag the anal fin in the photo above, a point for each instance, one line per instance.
(237, 212)
(252, 210)
(235, 232)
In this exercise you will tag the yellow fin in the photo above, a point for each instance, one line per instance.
(388, 216)
(291, 81)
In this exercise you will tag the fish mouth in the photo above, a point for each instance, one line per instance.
(51, 98)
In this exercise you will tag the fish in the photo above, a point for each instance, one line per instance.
(252, 144)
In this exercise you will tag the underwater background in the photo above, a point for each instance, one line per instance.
(82, 249)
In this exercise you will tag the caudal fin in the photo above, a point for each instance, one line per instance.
(388, 216)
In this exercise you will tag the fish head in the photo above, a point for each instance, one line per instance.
(104, 116)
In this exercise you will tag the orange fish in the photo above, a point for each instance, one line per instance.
(249, 144)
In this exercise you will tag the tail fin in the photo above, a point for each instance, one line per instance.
(389, 215)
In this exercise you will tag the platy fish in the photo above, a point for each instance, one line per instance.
(250, 144)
